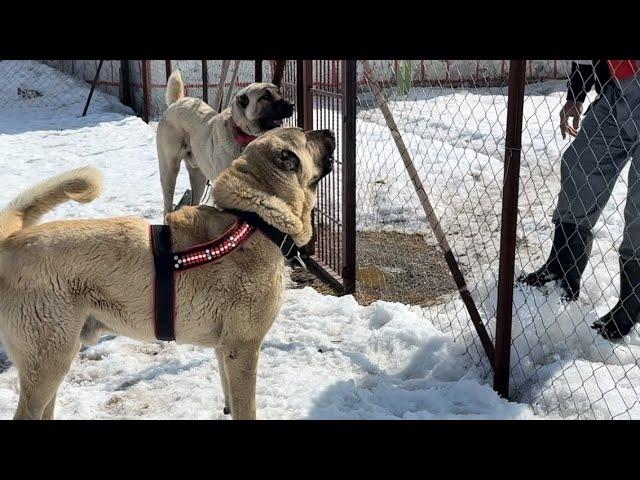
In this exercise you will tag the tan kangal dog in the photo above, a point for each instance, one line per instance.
(64, 283)
(209, 141)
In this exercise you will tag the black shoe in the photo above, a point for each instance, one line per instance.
(568, 258)
(626, 313)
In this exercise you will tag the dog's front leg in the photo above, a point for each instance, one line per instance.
(241, 363)
(223, 379)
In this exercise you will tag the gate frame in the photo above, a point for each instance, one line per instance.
(511, 181)
(345, 280)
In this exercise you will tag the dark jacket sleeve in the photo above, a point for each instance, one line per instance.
(581, 80)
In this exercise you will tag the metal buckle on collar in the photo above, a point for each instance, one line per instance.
(299, 259)
(293, 245)
(284, 240)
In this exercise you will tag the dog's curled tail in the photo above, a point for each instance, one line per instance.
(175, 87)
(81, 185)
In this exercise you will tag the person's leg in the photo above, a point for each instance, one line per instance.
(626, 313)
(589, 169)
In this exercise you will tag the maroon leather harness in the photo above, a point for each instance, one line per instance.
(168, 264)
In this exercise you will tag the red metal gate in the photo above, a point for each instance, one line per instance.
(327, 100)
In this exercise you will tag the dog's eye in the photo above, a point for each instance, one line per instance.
(287, 160)
(267, 96)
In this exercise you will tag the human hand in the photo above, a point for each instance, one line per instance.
(571, 109)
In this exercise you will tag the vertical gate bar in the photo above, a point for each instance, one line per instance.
(306, 100)
(205, 81)
(308, 95)
(349, 92)
(167, 68)
(323, 124)
(125, 78)
(278, 71)
(504, 310)
(257, 76)
(338, 106)
(300, 103)
(146, 92)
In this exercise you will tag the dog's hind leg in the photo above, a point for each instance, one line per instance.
(170, 150)
(224, 380)
(42, 361)
(242, 365)
(168, 174)
(198, 183)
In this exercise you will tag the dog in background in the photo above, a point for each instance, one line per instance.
(192, 131)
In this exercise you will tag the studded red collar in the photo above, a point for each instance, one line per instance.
(213, 250)
(239, 135)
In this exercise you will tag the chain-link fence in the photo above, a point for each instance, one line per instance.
(453, 126)
(33, 87)
(448, 119)
(140, 84)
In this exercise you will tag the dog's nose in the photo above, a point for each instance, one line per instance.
(329, 135)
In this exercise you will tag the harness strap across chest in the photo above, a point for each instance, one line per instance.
(168, 263)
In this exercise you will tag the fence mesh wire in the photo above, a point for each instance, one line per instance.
(30, 88)
(452, 117)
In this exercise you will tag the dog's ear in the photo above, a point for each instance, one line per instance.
(287, 160)
(242, 101)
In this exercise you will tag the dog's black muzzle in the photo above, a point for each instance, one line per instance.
(280, 110)
(328, 139)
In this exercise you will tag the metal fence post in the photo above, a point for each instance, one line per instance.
(305, 120)
(258, 71)
(146, 90)
(278, 72)
(349, 100)
(504, 311)
(205, 82)
(300, 92)
(125, 79)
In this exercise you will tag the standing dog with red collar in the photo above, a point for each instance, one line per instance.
(64, 283)
(192, 131)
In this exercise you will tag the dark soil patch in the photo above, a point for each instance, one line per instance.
(394, 267)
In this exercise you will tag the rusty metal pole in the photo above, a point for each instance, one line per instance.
(125, 79)
(513, 142)
(307, 78)
(300, 92)
(205, 81)
(278, 72)
(305, 119)
(257, 77)
(146, 92)
(93, 87)
(349, 97)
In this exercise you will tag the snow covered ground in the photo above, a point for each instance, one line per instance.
(329, 357)
(456, 139)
